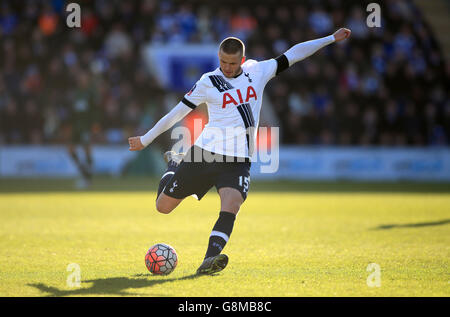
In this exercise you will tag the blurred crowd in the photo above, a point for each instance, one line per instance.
(384, 86)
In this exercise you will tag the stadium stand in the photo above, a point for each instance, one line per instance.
(386, 86)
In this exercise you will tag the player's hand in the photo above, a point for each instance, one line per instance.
(342, 34)
(135, 143)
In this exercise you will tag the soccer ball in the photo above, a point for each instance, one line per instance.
(161, 259)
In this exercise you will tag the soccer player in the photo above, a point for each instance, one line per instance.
(82, 118)
(233, 93)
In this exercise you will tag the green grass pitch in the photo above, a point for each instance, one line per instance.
(290, 239)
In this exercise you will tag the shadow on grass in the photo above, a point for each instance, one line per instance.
(413, 225)
(111, 286)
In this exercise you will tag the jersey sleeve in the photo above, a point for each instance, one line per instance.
(268, 69)
(166, 122)
(197, 94)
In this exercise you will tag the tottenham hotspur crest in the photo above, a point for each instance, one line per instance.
(173, 186)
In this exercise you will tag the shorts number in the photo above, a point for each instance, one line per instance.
(244, 181)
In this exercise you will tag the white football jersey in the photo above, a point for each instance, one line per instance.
(234, 106)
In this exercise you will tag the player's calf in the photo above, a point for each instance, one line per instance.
(230, 200)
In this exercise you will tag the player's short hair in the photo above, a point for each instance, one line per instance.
(232, 45)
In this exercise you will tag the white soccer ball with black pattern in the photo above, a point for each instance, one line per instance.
(161, 259)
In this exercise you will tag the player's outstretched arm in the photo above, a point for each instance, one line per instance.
(165, 123)
(305, 49)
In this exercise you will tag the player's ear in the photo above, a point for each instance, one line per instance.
(243, 60)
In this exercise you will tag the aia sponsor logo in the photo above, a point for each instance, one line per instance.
(228, 98)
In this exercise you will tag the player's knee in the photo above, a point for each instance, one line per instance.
(165, 204)
(163, 207)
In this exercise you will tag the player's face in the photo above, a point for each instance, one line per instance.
(230, 64)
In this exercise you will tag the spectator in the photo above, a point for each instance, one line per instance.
(357, 23)
(412, 125)
(404, 41)
(12, 123)
(320, 21)
(8, 20)
(370, 126)
(117, 42)
(299, 102)
(350, 126)
(89, 22)
(33, 123)
(389, 124)
(243, 23)
(48, 21)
